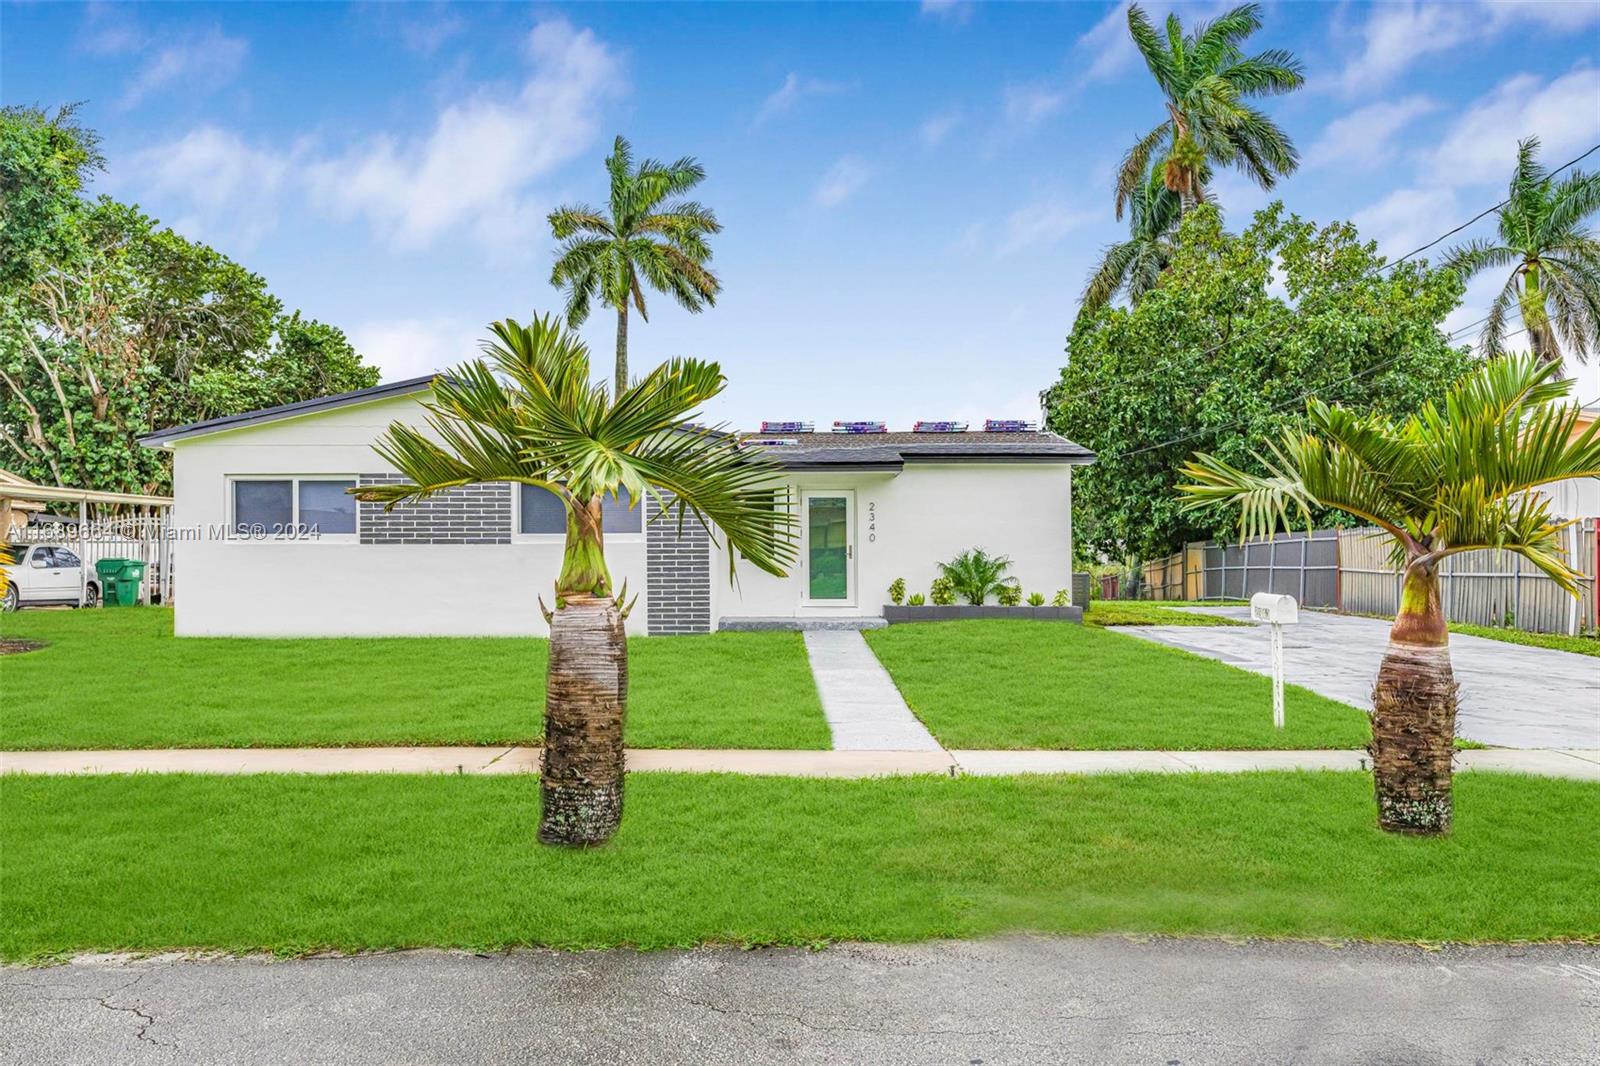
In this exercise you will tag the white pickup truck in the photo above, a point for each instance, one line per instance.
(47, 573)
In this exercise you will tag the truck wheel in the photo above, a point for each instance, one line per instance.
(9, 602)
(91, 596)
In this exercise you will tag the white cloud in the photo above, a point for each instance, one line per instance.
(1026, 106)
(1481, 146)
(1365, 136)
(790, 93)
(1043, 221)
(936, 128)
(958, 11)
(474, 167)
(198, 62)
(843, 180)
(410, 347)
(229, 187)
(1409, 218)
(1396, 35)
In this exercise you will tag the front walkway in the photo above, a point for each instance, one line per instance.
(1512, 695)
(1584, 765)
(864, 709)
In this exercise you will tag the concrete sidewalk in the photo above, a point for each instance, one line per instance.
(1581, 764)
(865, 711)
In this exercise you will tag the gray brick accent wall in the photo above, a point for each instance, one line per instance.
(678, 574)
(471, 514)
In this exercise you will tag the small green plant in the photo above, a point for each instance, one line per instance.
(1009, 595)
(1035, 599)
(1062, 598)
(942, 592)
(977, 575)
(916, 600)
(897, 591)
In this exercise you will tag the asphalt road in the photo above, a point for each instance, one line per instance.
(1009, 1000)
(1512, 695)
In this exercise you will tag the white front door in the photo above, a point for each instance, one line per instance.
(828, 558)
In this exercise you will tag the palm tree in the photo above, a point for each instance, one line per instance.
(528, 413)
(642, 237)
(1451, 478)
(1205, 78)
(1135, 265)
(1554, 260)
(977, 575)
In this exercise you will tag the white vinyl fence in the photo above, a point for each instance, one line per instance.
(139, 536)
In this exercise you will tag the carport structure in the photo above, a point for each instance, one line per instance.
(140, 528)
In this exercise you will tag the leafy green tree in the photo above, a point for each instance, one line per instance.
(1554, 259)
(1218, 356)
(1205, 78)
(1132, 267)
(643, 236)
(112, 326)
(528, 413)
(1452, 478)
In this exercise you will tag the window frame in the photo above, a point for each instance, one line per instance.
(519, 537)
(293, 534)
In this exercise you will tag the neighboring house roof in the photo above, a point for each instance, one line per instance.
(164, 437)
(834, 451)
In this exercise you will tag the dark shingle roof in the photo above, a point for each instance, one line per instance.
(834, 450)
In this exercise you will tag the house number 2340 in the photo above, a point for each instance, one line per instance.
(872, 521)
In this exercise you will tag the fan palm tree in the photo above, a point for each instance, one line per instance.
(605, 255)
(1452, 478)
(528, 413)
(1135, 265)
(1553, 256)
(1205, 78)
(977, 575)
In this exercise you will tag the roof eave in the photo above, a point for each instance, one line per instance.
(165, 438)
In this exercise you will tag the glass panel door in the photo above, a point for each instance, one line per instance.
(828, 547)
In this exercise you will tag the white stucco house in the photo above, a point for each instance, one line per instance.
(873, 507)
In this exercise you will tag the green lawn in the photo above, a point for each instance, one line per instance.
(1148, 613)
(1560, 642)
(1015, 684)
(119, 679)
(299, 863)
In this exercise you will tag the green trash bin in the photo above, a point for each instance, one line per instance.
(119, 581)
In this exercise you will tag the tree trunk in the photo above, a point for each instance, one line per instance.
(622, 349)
(1536, 316)
(586, 698)
(1414, 713)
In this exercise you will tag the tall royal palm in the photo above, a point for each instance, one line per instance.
(1205, 79)
(1451, 478)
(644, 236)
(528, 413)
(1553, 256)
(1133, 266)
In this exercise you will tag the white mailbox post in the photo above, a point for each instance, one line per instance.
(1277, 611)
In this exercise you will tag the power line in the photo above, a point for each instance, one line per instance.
(1170, 365)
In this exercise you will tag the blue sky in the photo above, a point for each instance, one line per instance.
(912, 194)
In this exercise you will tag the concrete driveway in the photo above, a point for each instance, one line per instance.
(1008, 1000)
(1511, 696)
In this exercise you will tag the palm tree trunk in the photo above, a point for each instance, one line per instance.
(585, 704)
(586, 692)
(622, 349)
(1536, 316)
(1414, 713)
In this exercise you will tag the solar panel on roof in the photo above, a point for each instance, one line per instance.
(859, 427)
(786, 427)
(939, 427)
(1008, 425)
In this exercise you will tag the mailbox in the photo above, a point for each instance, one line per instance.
(1270, 607)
